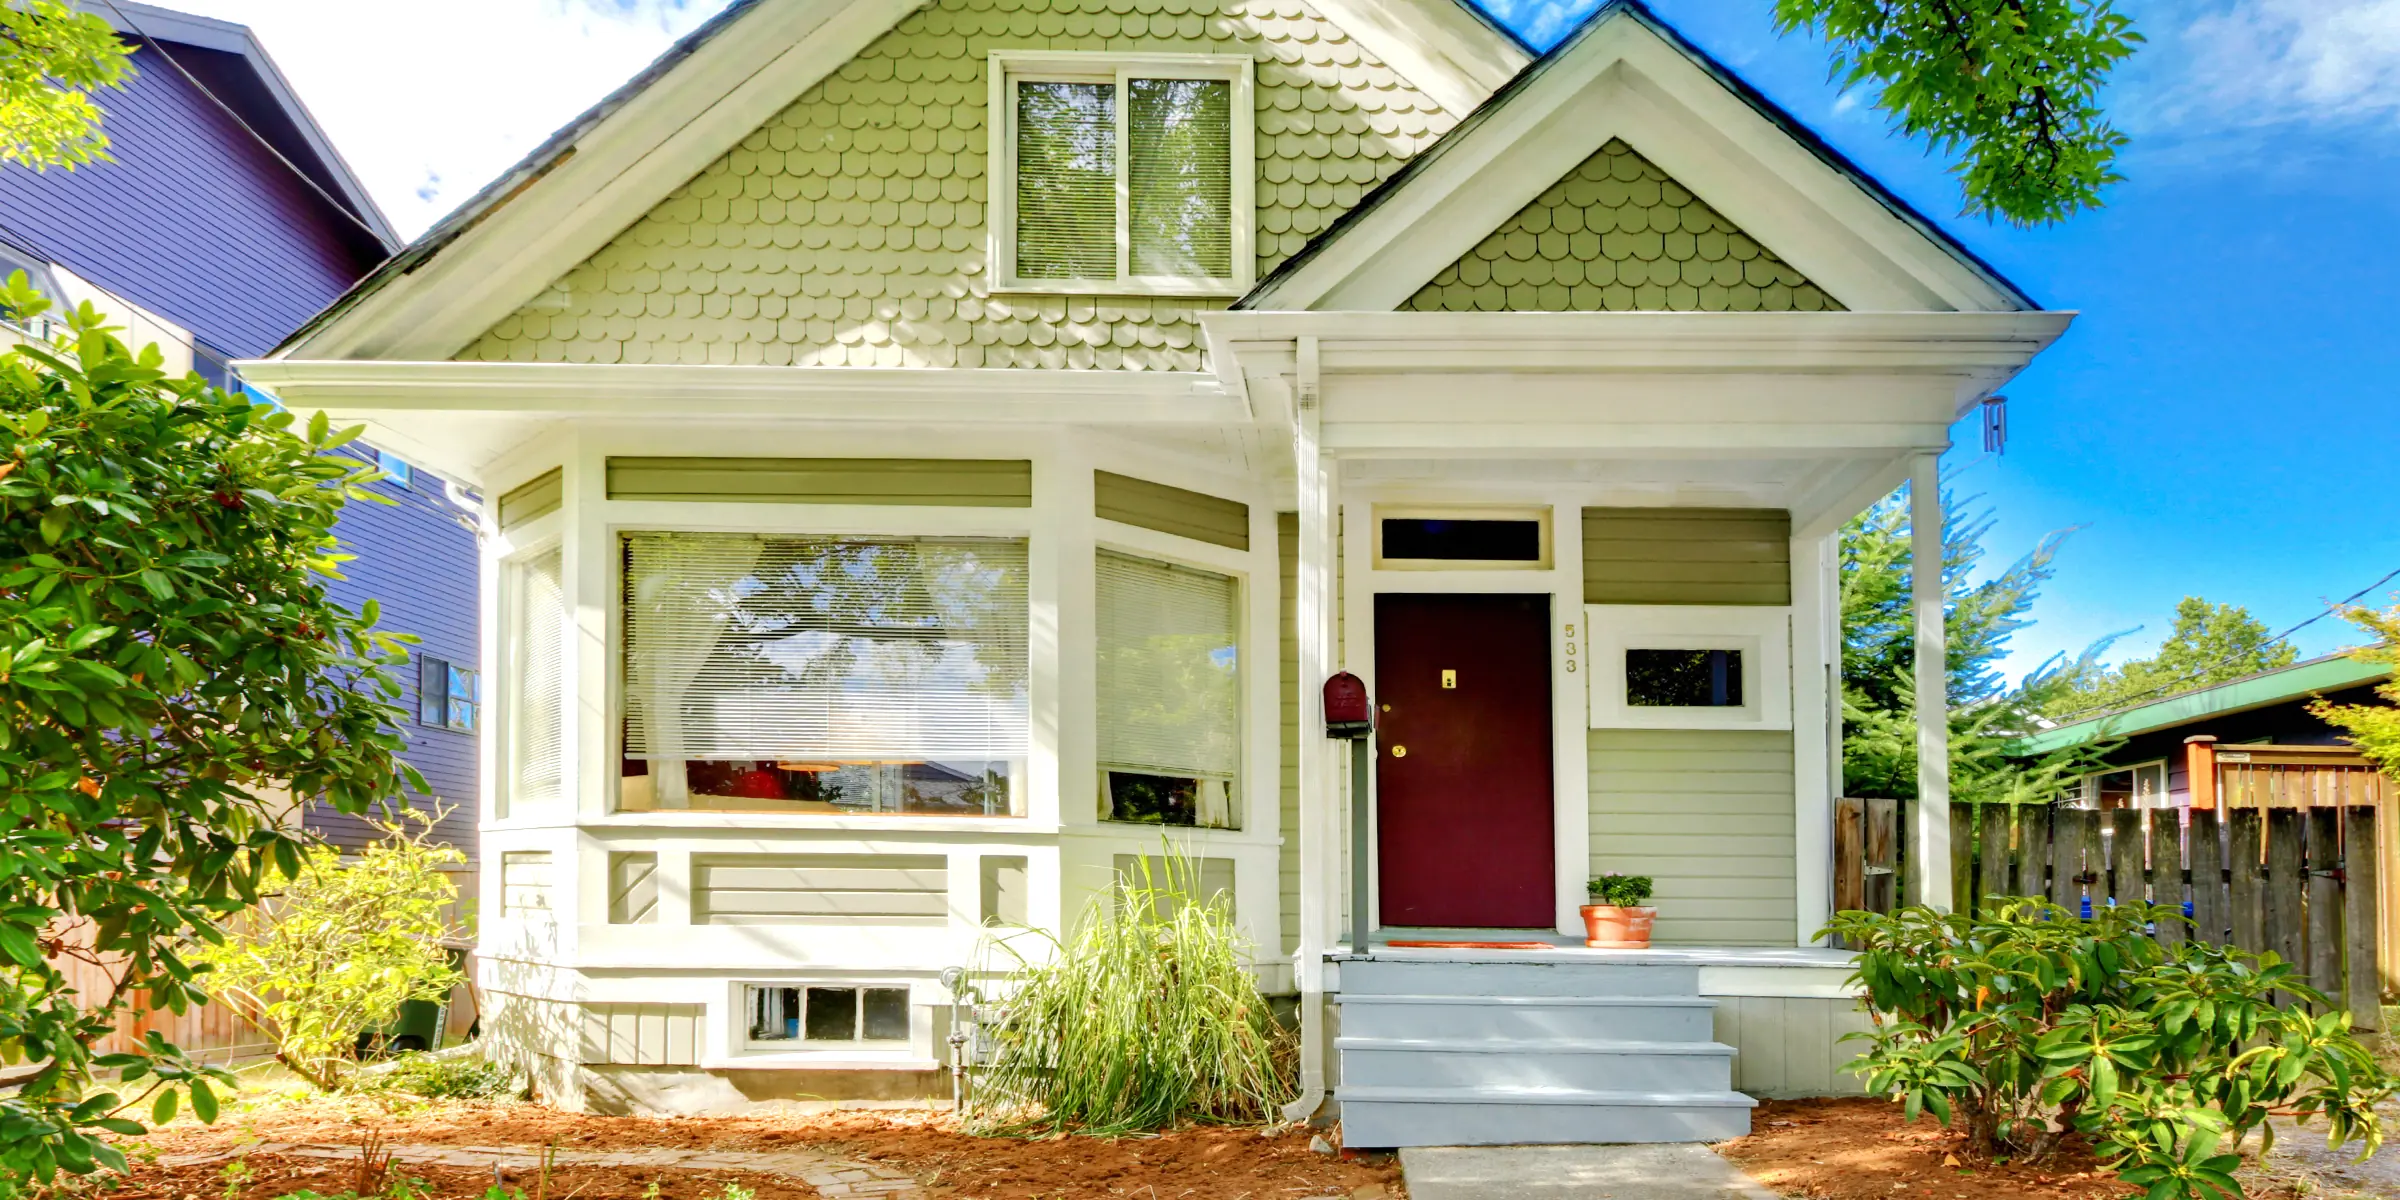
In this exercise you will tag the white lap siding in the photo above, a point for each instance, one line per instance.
(1708, 813)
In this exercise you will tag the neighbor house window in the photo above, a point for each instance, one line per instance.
(824, 675)
(535, 736)
(1170, 693)
(1123, 173)
(2141, 786)
(828, 1014)
(449, 696)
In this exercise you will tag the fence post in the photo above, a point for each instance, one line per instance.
(1962, 857)
(2210, 910)
(2324, 902)
(2166, 873)
(2095, 860)
(2124, 859)
(2033, 849)
(1883, 854)
(1849, 854)
(2362, 895)
(2284, 887)
(1992, 872)
(2249, 887)
(2066, 857)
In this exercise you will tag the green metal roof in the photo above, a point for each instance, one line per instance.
(2331, 673)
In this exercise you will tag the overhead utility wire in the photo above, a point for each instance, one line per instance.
(339, 205)
(2196, 672)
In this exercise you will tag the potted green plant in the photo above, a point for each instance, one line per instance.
(1617, 918)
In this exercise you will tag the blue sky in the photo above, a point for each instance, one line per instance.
(2221, 421)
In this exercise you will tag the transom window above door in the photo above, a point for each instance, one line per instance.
(1127, 174)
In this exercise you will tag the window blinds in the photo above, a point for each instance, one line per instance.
(1066, 180)
(1170, 700)
(1179, 135)
(741, 647)
(537, 729)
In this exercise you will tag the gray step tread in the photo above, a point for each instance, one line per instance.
(1535, 1001)
(1535, 1046)
(1388, 1094)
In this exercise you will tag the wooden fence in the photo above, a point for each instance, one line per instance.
(208, 1032)
(2280, 879)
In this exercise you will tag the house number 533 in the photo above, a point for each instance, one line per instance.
(1570, 649)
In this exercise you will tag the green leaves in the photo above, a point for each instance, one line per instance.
(2012, 85)
(2025, 1016)
(167, 656)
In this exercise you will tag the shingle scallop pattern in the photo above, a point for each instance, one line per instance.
(1616, 234)
(849, 230)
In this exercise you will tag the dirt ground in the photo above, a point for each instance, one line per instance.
(1192, 1164)
(1859, 1149)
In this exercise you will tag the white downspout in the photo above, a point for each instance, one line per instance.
(1313, 621)
(1931, 834)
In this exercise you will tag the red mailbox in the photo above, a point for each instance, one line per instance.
(1348, 712)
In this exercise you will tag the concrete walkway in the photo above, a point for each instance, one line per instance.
(1682, 1171)
(831, 1176)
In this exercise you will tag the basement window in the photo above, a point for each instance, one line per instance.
(823, 1014)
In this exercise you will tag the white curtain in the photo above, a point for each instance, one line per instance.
(828, 649)
(1170, 691)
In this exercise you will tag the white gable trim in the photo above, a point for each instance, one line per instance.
(572, 203)
(617, 171)
(1623, 80)
(1449, 52)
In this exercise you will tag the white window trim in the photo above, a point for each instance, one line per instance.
(1762, 633)
(1537, 513)
(1007, 67)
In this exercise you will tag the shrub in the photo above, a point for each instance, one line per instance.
(170, 657)
(2025, 1022)
(1146, 1016)
(339, 949)
(1620, 891)
(451, 1077)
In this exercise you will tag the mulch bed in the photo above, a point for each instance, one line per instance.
(1208, 1163)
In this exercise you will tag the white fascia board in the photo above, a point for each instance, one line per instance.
(849, 394)
(1623, 81)
(1385, 342)
(1448, 52)
(607, 180)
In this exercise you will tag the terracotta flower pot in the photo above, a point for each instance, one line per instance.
(1609, 927)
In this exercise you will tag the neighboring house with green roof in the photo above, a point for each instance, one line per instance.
(940, 448)
(2146, 767)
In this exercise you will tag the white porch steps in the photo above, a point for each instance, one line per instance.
(1445, 1052)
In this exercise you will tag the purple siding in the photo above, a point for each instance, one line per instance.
(418, 563)
(195, 220)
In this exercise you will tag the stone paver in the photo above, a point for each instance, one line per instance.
(1654, 1172)
(829, 1175)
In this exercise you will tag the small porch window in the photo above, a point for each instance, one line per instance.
(824, 675)
(1170, 694)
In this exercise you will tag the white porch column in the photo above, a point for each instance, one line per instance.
(1929, 834)
(1318, 825)
(1816, 728)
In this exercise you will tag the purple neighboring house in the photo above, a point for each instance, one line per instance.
(226, 220)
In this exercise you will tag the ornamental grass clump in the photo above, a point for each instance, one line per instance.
(1146, 1017)
(2025, 1023)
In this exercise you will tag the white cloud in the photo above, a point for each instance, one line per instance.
(2268, 62)
(431, 99)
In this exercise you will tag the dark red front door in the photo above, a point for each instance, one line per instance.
(1463, 795)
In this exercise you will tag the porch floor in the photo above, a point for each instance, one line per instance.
(1562, 947)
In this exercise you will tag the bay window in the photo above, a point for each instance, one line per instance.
(535, 737)
(1169, 692)
(832, 675)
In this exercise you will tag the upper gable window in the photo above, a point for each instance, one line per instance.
(1122, 173)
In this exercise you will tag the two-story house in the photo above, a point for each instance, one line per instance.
(939, 448)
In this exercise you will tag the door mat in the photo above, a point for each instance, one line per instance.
(1471, 945)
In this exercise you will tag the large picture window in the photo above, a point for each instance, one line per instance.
(1123, 174)
(1170, 694)
(827, 675)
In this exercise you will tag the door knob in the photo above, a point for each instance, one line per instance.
(1399, 752)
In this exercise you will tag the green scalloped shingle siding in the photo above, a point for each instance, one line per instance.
(849, 230)
(1617, 235)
